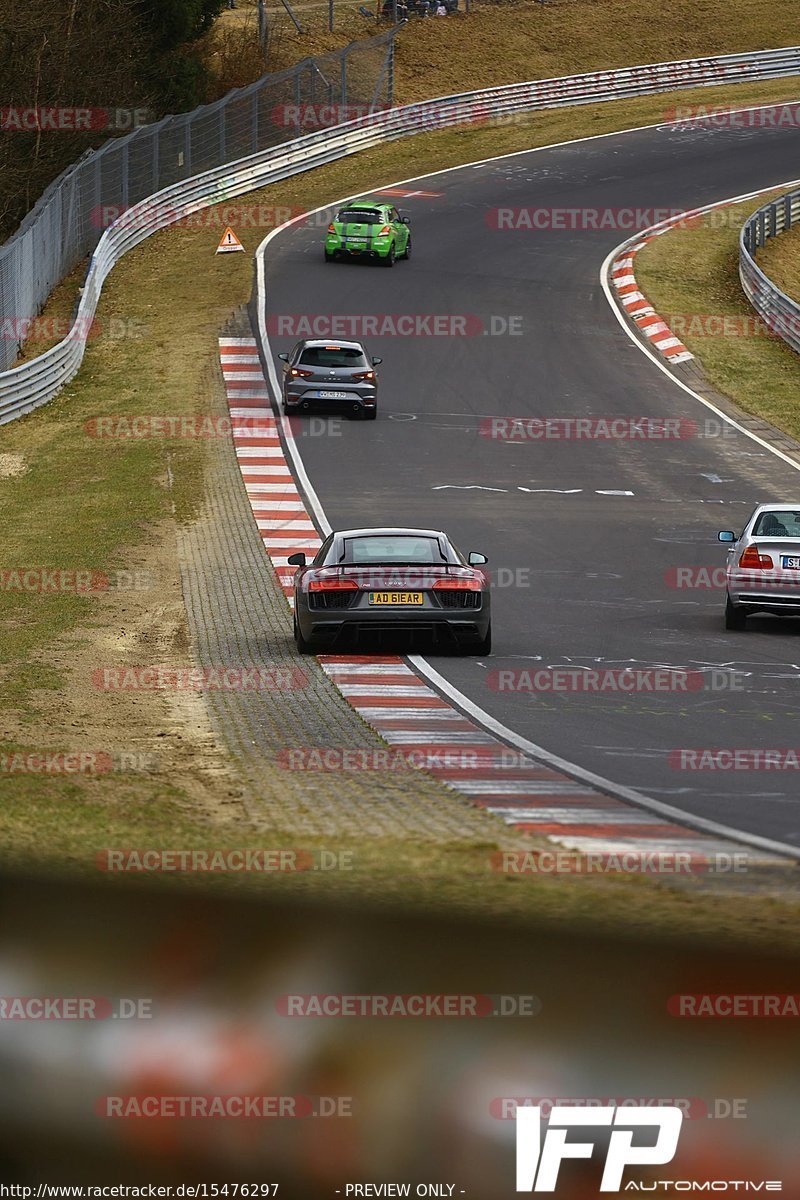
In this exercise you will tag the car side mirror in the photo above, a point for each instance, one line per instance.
(404, 220)
(476, 560)
(283, 357)
(727, 535)
(297, 560)
(375, 361)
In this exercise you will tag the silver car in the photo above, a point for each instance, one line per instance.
(320, 373)
(763, 569)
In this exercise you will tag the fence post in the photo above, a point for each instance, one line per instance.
(390, 72)
(298, 94)
(125, 176)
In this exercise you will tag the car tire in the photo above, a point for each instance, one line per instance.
(734, 617)
(407, 252)
(330, 256)
(388, 261)
(369, 414)
(484, 646)
(303, 646)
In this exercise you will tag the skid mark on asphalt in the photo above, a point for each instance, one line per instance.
(411, 716)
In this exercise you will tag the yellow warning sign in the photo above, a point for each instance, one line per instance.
(229, 244)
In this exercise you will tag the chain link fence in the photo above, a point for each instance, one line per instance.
(68, 220)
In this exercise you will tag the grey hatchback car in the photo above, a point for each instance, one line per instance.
(330, 375)
(412, 582)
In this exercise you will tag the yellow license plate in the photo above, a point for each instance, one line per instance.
(395, 598)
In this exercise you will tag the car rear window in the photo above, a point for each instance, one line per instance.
(392, 548)
(360, 216)
(778, 524)
(332, 356)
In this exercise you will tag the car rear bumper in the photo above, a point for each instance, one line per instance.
(764, 594)
(295, 396)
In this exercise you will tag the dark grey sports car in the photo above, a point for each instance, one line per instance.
(396, 581)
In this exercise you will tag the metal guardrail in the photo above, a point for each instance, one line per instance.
(780, 313)
(68, 220)
(33, 383)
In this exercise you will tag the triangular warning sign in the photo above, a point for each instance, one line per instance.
(230, 243)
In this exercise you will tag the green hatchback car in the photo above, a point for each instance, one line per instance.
(367, 228)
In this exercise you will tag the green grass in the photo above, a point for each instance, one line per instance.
(695, 270)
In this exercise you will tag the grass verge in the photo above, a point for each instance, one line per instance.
(77, 502)
(690, 275)
(527, 41)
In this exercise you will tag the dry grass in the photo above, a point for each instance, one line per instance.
(780, 259)
(695, 271)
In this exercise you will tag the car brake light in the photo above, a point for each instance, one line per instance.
(333, 585)
(469, 585)
(385, 230)
(332, 228)
(364, 375)
(302, 374)
(753, 559)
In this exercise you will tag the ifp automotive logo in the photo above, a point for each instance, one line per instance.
(538, 1161)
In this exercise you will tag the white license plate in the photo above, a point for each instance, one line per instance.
(356, 241)
(791, 563)
(333, 395)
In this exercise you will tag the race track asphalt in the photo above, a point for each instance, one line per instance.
(584, 577)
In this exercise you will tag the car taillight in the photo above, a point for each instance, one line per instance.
(469, 585)
(332, 228)
(753, 559)
(302, 374)
(364, 375)
(385, 230)
(333, 585)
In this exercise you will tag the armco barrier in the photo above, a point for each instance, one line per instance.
(780, 312)
(33, 383)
